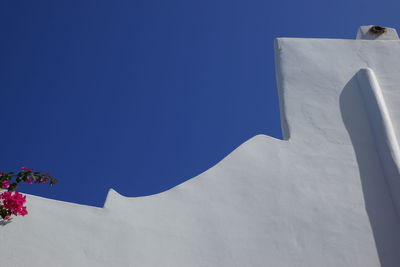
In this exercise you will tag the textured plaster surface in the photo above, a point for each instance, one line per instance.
(321, 197)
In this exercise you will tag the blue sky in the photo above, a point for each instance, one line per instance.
(143, 95)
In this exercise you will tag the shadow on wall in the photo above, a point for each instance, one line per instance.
(384, 221)
(4, 222)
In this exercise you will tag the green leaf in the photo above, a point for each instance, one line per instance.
(13, 186)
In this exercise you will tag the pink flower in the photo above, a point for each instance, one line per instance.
(14, 202)
(5, 184)
(29, 180)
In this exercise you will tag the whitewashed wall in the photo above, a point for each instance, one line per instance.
(324, 197)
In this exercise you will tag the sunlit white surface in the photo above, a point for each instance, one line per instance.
(319, 198)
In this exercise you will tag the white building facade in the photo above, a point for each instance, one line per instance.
(326, 196)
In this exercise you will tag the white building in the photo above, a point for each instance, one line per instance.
(326, 196)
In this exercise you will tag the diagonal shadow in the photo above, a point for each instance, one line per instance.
(385, 223)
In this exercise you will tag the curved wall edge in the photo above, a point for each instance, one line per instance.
(384, 133)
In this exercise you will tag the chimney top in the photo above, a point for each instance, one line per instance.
(375, 32)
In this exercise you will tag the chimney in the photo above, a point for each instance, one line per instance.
(375, 32)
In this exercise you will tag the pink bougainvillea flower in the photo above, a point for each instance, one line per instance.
(14, 201)
(5, 184)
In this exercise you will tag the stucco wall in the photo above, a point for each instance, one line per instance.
(319, 198)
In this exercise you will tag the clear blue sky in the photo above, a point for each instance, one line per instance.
(142, 95)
